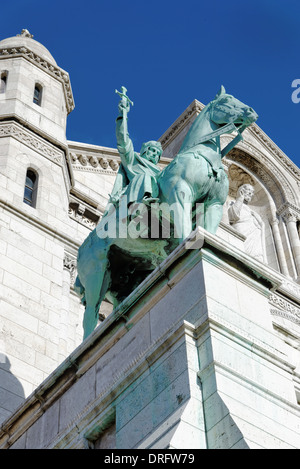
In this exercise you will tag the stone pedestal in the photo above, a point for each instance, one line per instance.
(190, 360)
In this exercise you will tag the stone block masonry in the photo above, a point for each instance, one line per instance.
(185, 362)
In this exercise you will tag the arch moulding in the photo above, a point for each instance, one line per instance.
(267, 172)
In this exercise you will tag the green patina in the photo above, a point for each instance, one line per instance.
(123, 250)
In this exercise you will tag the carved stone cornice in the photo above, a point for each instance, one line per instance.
(50, 68)
(91, 162)
(284, 308)
(97, 159)
(31, 140)
(275, 150)
(289, 212)
(81, 214)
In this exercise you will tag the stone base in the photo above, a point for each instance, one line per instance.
(189, 360)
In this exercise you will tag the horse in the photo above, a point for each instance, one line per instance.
(111, 266)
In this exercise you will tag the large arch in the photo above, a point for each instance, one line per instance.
(277, 193)
(266, 171)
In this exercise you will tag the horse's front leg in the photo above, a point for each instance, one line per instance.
(96, 286)
(213, 211)
(212, 216)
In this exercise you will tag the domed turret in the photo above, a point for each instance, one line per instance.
(34, 90)
(25, 39)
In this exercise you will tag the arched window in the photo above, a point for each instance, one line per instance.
(37, 95)
(3, 81)
(30, 190)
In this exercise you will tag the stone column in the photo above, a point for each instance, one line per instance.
(69, 274)
(279, 247)
(290, 217)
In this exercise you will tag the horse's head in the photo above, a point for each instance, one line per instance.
(211, 122)
(227, 109)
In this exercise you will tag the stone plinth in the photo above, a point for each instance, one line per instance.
(190, 359)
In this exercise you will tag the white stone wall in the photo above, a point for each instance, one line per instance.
(33, 293)
(195, 365)
(40, 319)
(50, 117)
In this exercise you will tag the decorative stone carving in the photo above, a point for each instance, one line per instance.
(83, 160)
(284, 309)
(81, 209)
(31, 140)
(275, 150)
(25, 33)
(291, 288)
(93, 163)
(73, 157)
(247, 222)
(114, 165)
(79, 213)
(237, 176)
(240, 176)
(267, 172)
(70, 264)
(104, 163)
(289, 212)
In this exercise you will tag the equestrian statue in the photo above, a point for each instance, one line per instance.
(151, 211)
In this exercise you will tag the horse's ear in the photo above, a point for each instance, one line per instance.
(222, 91)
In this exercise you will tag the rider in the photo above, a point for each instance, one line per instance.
(137, 176)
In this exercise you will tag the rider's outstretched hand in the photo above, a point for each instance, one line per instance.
(123, 107)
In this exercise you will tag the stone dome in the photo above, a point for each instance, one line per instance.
(25, 39)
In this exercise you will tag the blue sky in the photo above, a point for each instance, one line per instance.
(168, 53)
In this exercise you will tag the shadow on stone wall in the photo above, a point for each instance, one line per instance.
(11, 390)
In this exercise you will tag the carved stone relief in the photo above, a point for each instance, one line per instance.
(94, 163)
(31, 140)
(82, 215)
(289, 212)
(238, 177)
(246, 220)
(70, 264)
(267, 173)
(284, 308)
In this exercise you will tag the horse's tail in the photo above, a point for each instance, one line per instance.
(80, 290)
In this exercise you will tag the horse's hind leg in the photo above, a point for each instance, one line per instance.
(96, 286)
(212, 217)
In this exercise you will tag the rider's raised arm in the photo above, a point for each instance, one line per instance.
(124, 143)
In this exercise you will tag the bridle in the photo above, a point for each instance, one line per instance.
(227, 128)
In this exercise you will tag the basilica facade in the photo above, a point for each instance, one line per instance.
(53, 192)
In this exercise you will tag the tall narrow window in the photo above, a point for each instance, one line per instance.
(30, 190)
(37, 95)
(3, 82)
